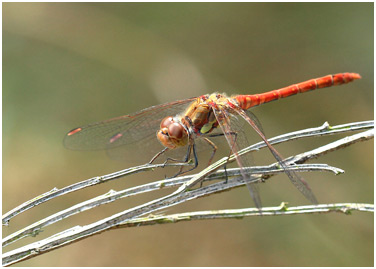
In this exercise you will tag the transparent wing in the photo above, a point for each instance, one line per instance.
(297, 180)
(123, 130)
(232, 130)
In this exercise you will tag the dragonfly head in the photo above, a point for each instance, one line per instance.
(172, 134)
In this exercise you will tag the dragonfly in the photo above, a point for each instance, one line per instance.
(180, 124)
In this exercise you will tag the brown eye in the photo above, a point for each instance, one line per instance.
(164, 131)
(166, 122)
(165, 139)
(175, 130)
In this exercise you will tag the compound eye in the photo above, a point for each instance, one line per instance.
(176, 130)
(165, 139)
(166, 122)
(164, 131)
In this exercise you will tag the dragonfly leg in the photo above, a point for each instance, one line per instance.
(214, 149)
(233, 144)
(225, 168)
(231, 150)
(158, 154)
(191, 148)
(168, 159)
(214, 146)
(228, 157)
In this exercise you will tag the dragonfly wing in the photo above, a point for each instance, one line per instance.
(254, 118)
(297, 180)
(237, 140)
(122, 130)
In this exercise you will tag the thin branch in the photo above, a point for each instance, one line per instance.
(281, 210)
(111, 196)
(339, 144)
(179, 196)
(55, 192)
(325, 129)
(301, 158)
(52, 242)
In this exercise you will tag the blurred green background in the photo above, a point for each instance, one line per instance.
(70, 64)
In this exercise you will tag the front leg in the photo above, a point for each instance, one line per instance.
(158, 154)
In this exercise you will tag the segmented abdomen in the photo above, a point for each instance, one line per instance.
(248, 101)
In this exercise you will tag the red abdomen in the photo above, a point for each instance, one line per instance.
(248, 101)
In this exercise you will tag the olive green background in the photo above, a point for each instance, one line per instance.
(70, 64)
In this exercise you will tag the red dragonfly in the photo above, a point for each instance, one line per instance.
(181, 123)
